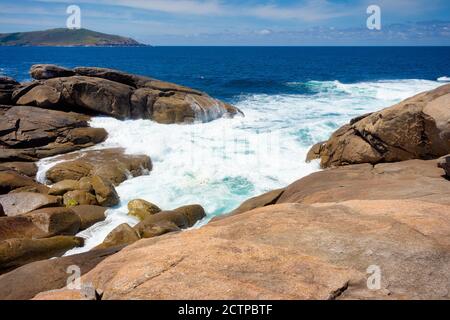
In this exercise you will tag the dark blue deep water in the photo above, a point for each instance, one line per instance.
(227, 72)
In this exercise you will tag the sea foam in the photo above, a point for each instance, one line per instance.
(224, 162)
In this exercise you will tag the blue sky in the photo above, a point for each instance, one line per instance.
(243, 22)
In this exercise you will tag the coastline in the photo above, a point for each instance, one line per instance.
(318, 202)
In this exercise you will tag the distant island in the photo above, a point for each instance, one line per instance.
(66, 37)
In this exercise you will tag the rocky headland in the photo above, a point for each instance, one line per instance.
(382, 200)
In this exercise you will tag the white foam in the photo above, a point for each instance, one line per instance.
(222, 163)
(443, 79)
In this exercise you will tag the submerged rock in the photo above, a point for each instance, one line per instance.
(118, 94)
(417, 128)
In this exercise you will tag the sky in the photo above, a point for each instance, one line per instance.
(242, 22)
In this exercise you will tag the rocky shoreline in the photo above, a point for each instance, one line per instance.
(383, 200)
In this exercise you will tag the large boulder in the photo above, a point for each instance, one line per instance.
(23, 202)
(11, 180)
(417, 128)
(89, 215)
(7, 87)
(28, 169)
(62, 187)
(25, 282)
(118, 94)
(141, 209)
(110, 164)
(120, 236)
(105, 193)
(30, 133)
(79, 197)
(48, 71)
(169, 221)
(17, 252)
(43, 223)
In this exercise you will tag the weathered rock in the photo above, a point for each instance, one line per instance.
(28, 169)
(113, 75)
(48, 71)
(168, 221)
(89, 215)
(395, 216)
(120, 95)
(79, 197)
(23, 202)
(17, 252)
(105, 193)
(11, 180)
(141, 209)
(417, 128)
(30, 133)
(413, 179)
(62, 187)
(110, 164)
(263, 200)
(121, 235)
(25, 282)
(157, 229)
(291, 251)
(315, 151)
(43, 223)
(444, 163)
(7, 87)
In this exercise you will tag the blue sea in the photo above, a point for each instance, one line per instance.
(292, 97)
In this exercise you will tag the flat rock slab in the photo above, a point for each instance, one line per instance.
(413, 179)
(19, 203)
(31, 133)
(25, 282)
(291, 251)
(110, 164)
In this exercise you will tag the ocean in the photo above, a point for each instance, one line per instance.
(292, 97)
